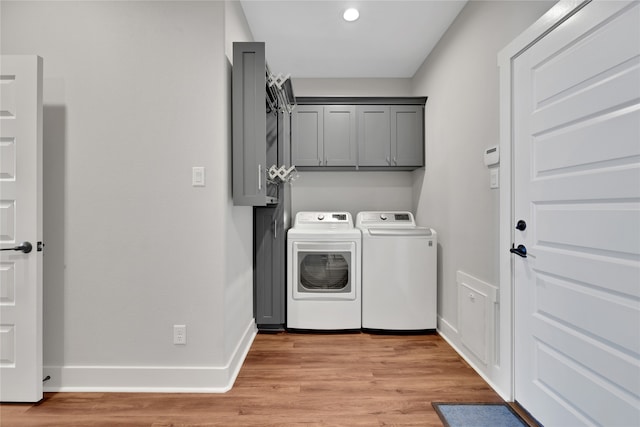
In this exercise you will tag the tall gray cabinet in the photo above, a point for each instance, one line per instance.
(261, 139)
(269, 268)
(270, 228)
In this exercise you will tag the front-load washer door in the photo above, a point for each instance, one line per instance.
(324, 270)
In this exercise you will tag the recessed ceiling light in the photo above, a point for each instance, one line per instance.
(351, 14)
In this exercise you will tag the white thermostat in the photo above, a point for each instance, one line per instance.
(492, 156)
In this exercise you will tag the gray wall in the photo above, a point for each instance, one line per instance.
(351, 87)
(135, 94)
(452, 193)
(352, 191)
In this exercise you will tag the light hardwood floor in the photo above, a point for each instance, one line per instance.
(316, 379)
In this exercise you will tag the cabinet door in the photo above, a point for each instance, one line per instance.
(340, 135)
(269, 276)
(374, 135)
(307, 135)
(249, 125)
(407, 135)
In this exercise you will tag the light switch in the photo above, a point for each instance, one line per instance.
(197, 176)
(494, 178)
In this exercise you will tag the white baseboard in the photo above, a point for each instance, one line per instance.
(152, 379)
(240, 353)
(445, 330)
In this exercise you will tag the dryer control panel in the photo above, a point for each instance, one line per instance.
(323, 219)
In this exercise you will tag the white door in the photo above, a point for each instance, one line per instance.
(577, 186)
(20, 221)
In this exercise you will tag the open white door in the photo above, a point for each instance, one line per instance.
(576, 171)
(20, 226)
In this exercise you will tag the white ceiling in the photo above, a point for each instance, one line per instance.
(309, 38)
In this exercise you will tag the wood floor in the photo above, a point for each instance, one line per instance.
(288, 379)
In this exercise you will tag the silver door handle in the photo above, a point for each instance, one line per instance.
(25, 247)
(275, 229)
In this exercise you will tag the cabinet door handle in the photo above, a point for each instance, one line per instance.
(259, 177)
(275, 229)
(388, 161)
(395, 162)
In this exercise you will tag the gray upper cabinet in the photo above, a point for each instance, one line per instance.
(374, 135)
(390, 135)
(361, 133)
(407, 135)
(323, 136)
(307, 138)
(340, 135)
(249, 125)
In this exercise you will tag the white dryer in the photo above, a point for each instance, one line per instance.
(399, 272)
(323, 273)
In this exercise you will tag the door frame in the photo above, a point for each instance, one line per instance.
(559, 13)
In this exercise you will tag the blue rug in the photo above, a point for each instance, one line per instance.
(478, 415)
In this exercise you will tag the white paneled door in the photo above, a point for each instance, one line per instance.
(576, 156)
(20, 228)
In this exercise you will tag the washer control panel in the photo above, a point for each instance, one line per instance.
(397, 219)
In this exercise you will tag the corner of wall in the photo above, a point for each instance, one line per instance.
(236, 27)
(452, 195)
(238, 220)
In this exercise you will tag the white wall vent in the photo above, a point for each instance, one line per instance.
(477, 316)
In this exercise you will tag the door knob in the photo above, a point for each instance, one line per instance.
(521, 225)
(24, 247)
(521, 250)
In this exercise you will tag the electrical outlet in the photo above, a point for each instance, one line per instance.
(180, 334)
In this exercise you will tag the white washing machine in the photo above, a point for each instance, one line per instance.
(323, 273)
(399, 272)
